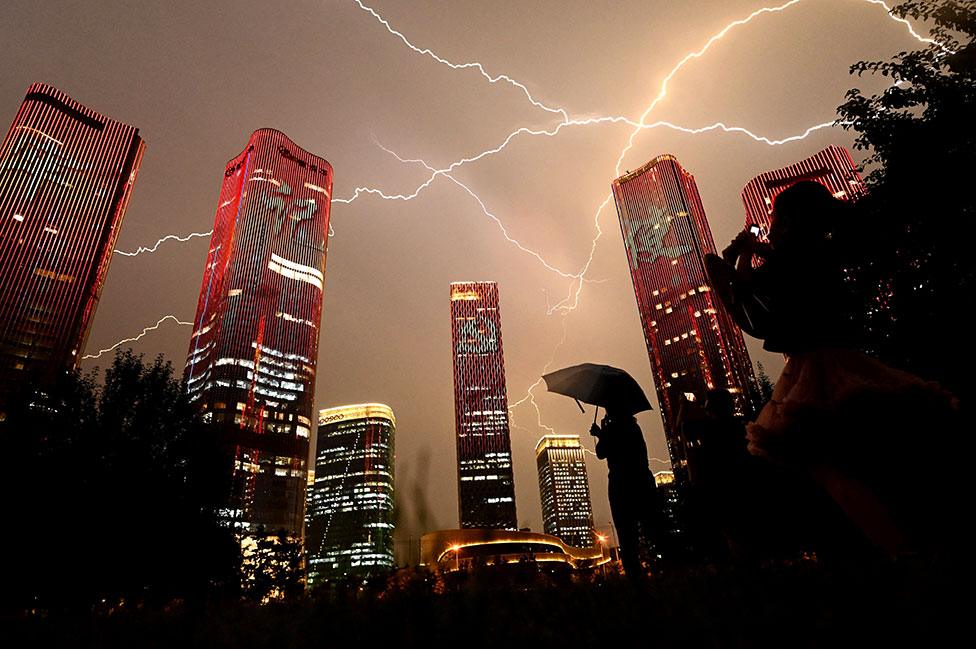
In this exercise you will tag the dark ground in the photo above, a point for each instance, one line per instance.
(909, 603)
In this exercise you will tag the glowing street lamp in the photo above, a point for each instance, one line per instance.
(455, 549)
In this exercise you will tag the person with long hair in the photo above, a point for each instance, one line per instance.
(847, 420)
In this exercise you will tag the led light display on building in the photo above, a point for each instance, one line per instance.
(832, 167)
(564, 490)
(66, 174)
(486, 488)
(350, 525)
(692, 343)
(252, 355)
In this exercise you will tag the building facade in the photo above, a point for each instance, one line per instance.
(486, 486)
(66, 175)
(349, 530)
(251, 361)
(832, 167)
(692, 343)
(564, 490)
(675, 537)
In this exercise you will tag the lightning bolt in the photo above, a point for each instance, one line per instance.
(135, 338)
(566, 121)
(462, 66)
(484, 209)
(181, 238)
(168, 237)
(552, 132)
(530, 393)
(571, 302)
(908, 25)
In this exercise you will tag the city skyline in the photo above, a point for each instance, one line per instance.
(399, 254)
(252, 356)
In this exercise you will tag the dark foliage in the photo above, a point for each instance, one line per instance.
(765, 383)
(803, 604)
(919, 220)
(273, 567)
(105, 489)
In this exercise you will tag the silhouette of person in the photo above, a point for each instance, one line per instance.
(846, 419)
(715, 441)
(632, 492)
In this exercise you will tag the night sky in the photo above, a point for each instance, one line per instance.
(198, 78)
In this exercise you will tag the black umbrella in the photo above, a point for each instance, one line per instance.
(600, 385)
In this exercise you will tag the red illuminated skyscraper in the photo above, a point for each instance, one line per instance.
(66, 174)
(692, 343)
(832, 167)
(251, 362)
(486, 488)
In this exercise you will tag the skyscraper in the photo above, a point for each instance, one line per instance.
(350, 508)
(671, 505)
(66, 174)
(832, 167)
(486, 488)
(565, 490)
(692, 343)
(252, 355)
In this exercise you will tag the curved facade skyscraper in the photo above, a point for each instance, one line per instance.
(251, 362)
(486, 486)
(350, 507)
(66, 174)
(692, 343)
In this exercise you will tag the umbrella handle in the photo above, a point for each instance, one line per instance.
(596, 409)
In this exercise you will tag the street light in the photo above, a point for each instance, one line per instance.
(602, 538)
(457, 563)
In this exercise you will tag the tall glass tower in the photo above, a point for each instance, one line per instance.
(692, 343)
(251, 362)
(350, 508)
(486, 487)
(832, 167)
(564, 490)
(66, 174)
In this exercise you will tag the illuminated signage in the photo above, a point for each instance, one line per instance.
(314, 168)
(360, 411)
(477, 336)
(645, 241)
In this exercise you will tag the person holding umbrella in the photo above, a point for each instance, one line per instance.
(631, 488)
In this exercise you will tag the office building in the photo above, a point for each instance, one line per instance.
(692, 343)
(350, 506)
(66, 175)
(486, 487)
(832, 167)
(564, 490)
(253, 350)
